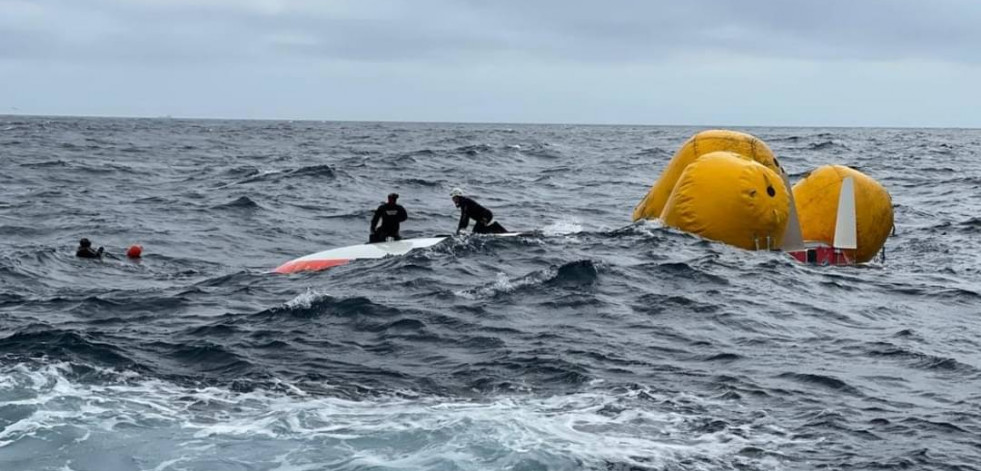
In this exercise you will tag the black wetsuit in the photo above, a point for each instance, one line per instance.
(88, 252)
(391, 215)
(470, 209)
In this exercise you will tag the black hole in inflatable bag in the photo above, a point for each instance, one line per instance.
(770, 191)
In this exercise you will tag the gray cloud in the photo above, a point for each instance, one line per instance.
(836, 29)
(462, 31)
(542, 60)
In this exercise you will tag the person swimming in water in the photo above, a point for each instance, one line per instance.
(470, 209)
(85, 250)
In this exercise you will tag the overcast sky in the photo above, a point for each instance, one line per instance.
(693, 62)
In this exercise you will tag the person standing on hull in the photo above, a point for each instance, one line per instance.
(391, 215)
(470, 209)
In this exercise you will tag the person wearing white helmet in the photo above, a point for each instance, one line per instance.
(470, 209)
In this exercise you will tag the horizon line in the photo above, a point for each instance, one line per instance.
(527, 123)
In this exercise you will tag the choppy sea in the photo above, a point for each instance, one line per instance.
(588, 343)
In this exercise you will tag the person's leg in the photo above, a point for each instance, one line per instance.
(480, 227)
(381, 235)
(496, 228)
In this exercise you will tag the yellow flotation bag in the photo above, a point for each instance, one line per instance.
(816, 197)
(725, 197)
(698, 145)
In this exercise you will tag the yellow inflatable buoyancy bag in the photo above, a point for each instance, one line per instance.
(698, 145)
(816, 197)
(725, 197)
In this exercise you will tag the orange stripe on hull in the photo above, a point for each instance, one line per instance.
(310, 265)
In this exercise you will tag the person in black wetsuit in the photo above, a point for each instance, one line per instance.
(85, 250)
(470, 209)
(391, 215)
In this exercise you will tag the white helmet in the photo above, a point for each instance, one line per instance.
(456, 192)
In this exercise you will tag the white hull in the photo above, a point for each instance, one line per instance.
(340, 256)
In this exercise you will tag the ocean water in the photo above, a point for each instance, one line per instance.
(590, 343)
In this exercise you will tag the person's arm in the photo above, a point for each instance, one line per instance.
(374, 220)
(464, 218)
(402, 214)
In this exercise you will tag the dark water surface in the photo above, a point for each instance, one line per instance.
(590, 344)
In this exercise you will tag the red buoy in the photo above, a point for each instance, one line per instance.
(134, 251)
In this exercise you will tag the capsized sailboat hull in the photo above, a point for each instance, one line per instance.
(340, 256)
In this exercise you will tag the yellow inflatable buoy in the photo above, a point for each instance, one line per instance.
(723, 196)
(698, 145)
(816, 197)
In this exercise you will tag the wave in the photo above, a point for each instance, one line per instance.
(62, 345)
(824, 381)
(825, 145)
(312, 304)
(254, 175)
(422, 182)
(47, 164)
(656, 152)
(684, 271)
(289, 427)
(542, 151)
(652, 303)
(578, 273)
(563, 227)
(971, 223)
(568, 275)
(921, 360)
(242, 202)
(785, 139)
(205, 357)
(474, 149)
(241, 172)
(319, 171)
